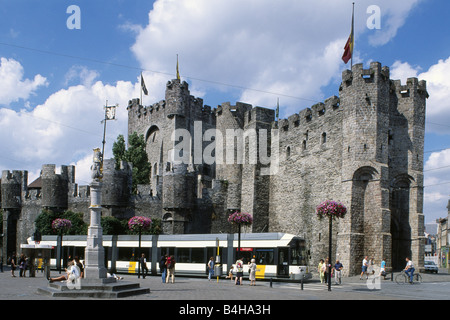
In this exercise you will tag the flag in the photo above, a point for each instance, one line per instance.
(143, 87)
(348, 49)
(178, 72)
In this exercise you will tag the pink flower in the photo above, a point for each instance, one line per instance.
(240, 218)
(139, 223)
(61, 224)
(331, 209)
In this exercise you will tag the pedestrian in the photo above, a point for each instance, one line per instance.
(79, 265)
(65, 276)
(321, 269)
(364, 268)
(239, 271)
(325, 270)
(163, 267)
(371, 267)
(22, 265)
(12, 261)
(383, 268)
(230, 274)
(338, 272)
(144, 269)
(252, 272)
(210, 268)
(409, 269)
(170, 263)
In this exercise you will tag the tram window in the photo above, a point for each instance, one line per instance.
(247, 255)
(197, 255)
(126, 254)
(183, 255)
(168, 250)
(298, 254)
(264, 256)
(79, 252)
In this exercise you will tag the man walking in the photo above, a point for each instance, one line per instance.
(338, 272)
(144, 266)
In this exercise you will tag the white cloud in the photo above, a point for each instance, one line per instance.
(284, 48)
(65, 128)
(393, 16)
(437, 178)
(438, 87)
(13, 86)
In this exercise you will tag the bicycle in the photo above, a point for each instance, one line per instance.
(403, 278)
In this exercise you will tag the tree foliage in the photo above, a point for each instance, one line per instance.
(44, 222)
(136, 155)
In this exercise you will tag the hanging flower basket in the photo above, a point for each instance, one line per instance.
(61, 225)
(331, 209)
(240, 218)
(139, 223)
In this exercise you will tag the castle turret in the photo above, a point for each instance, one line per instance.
(13, 189)
(55, 187)
(177, 98)
(116, 184)
(13, 185)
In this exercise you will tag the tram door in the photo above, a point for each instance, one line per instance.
(283, 262)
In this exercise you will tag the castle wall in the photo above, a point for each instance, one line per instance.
(363, 148)
(310, 158)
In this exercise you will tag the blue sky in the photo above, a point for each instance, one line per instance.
(55, 80)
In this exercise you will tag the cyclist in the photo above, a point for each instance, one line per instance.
(409, 269)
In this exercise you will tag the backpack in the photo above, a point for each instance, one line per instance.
(170, 263)
(162, 264)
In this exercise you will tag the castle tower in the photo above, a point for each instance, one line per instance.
(13, 188)
(55, 187)
(116, 186)
(230, 123)
(375, 139)
(256, 168)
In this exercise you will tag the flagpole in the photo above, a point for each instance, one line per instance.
(353, 36)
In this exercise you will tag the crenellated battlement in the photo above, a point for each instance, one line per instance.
(413, 87)
(310, 116)
(360, 76)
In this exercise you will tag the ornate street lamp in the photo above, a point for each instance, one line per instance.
(331, 210)
(240, 219)
(61, 226)
(139, 224)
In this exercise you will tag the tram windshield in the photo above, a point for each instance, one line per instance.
(299, 253)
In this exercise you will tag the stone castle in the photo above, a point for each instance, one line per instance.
(364, 148)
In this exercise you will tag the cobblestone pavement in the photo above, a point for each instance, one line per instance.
(434, 287)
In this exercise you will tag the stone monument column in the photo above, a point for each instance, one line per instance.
(94, 252)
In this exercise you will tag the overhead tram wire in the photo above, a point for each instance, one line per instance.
(153, 71)
(169, 74)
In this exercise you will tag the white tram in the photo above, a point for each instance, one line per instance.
(277, 255)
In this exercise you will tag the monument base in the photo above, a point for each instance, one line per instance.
(107, 288)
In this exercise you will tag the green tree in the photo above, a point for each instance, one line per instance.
(119, 150)
(136, 155)
(112, 226)
(44, 222)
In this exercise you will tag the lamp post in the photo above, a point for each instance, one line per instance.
(139, 224)
(239, 219)
(332, 210)
(60, 226)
